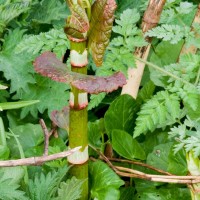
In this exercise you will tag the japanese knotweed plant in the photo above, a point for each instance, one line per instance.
(88, 28)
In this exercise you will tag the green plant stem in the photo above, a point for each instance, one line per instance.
(2, 133)
(21, 152)
(164, 71)
(197, 79)
(78, 125)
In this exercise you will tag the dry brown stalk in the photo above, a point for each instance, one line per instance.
(193, 49)
(140, 164)
(127, 172)
(37, 160)
(46, 136)
(150, 20)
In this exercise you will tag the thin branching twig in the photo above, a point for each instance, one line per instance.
(127, 172)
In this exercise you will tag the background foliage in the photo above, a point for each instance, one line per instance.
(144, 129)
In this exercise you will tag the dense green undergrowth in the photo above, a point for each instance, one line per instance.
(158, 128)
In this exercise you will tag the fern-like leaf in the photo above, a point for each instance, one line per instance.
(10, 11)
(55, 40)
(172, 33)
(187, 136)
(161, 110)
(95, 100)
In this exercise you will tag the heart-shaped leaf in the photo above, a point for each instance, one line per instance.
(48, 65)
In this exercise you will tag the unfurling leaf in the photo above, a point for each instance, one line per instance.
(77, 23)
(100, 28)
(48, 65)
(61, 118)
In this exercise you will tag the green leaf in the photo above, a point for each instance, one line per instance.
(147, 91)
(126, 146)
(102, 18)
(95, 132)
(127, 193)
(70, 190)
(164, 54)
(54, 40)
(52, 96)
(29, 136)
(95, 100)
(174, 193)
(4, 152)
(9, 189)
(121, 114)
(11, 10)
(161, 110)
(194, 115)
(177, 163)
(125, 24)
(14, 174)
(159, 156)
(15, 105)
(48, 11)
(104, 182)
(44, 187)
(19, 70)
(171, 33)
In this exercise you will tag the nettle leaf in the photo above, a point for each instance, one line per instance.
(48, 65)
(161, 110)
(47, 11)
(44, 187)
(52, 96)
(19, 70)
(100, 28)
(121, 114)
(70, 190)
(10, 11)
(77, 23)
(104, 182)
(126, 146)
(9, 190)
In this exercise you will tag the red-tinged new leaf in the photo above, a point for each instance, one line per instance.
(61, 118)
(48, 65)
(95, 85)
(77, 23)
(100, 28)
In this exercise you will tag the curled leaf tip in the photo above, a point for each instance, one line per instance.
(61, 118)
